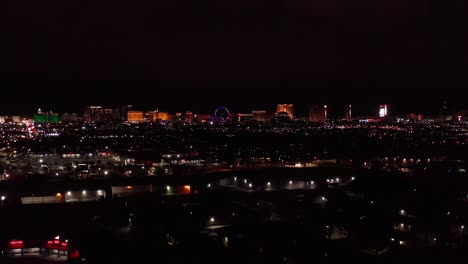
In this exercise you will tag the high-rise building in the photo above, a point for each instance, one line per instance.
(116, 115)
(188, 117)
(163, 116)
(178, 117)
(69, 117)
(123, 111)
(414, 117)
(348, 115)
(97, 114)
(444, 114)
(10, 119)
(107, 115)
(149, 116)
(259, 115)
(184, 117)
(44, 117)
(318, 113)
(93, 113)
(383, 111)
(154, 116)
(135, 116)
(239, 117)
(201, 118)
(288, 108)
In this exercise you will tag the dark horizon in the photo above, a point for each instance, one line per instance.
(244, 55)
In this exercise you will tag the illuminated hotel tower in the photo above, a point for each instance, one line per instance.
(383, 110)
(288, 108)
(318, 113)
(348, 113)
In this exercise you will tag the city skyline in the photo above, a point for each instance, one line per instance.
(68, 98)
(233, 131)
(316, 113)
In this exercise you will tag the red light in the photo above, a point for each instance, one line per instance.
(56, 242)
(16, 242)
(64, 244)
(49, 242)
(74, 254)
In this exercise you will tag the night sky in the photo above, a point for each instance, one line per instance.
(244, 54)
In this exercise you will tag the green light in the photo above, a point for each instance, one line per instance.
(46, 118)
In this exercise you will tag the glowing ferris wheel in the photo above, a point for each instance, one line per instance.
(222, 114)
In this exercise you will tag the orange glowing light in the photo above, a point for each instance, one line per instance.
(187, 189)
(135, 116)
(58, 195)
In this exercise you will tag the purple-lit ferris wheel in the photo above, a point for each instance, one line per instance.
(222, 114)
